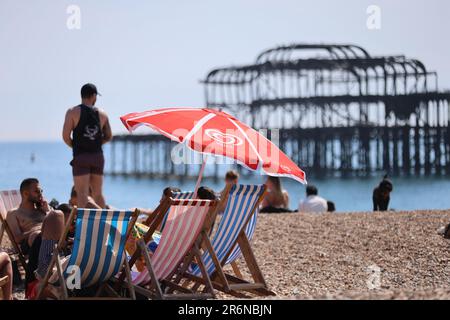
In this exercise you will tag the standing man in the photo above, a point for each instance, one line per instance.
(90, 129)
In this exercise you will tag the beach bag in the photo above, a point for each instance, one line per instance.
(138, 231)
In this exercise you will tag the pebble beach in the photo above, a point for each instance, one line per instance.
(391, 255)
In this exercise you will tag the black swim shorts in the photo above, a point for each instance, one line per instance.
(88, 163)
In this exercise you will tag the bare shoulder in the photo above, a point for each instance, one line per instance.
(73, 111)
(55, 213)
(12, 213)
(102, 113)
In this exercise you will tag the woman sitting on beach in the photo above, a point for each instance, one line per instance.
(276, 199)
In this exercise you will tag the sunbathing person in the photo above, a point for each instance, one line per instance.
(36, 227)
(6, 270)
(313, 202)
(276, 199)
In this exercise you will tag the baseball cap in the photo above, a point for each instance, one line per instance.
(88, 90)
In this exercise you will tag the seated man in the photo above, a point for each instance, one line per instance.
(313, 203)
(6, 270)
(36, 227)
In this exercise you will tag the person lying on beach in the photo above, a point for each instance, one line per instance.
(36, 227)
(313, 203)
(276, 199)
(231, 178)
(6, 270)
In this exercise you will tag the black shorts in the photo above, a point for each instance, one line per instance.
(88, 163)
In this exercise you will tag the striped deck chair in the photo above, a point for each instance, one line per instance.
(177, 196)
(249, 231)
(98, 250)
(10, 199)
(180, 244)
(231, 240)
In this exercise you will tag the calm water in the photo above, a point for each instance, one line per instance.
(51, 167)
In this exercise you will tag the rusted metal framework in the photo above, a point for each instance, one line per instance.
(340, 110)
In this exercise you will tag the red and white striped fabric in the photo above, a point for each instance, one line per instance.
(184, 223)
(9, 199)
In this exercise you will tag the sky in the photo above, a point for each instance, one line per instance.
(148, 54)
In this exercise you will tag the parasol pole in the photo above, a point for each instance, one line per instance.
(200, 175)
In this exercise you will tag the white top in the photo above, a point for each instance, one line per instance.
(313, 204)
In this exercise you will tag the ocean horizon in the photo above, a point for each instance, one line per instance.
(49, 162)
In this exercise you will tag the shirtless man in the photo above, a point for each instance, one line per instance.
(35, 225)
(90, 129)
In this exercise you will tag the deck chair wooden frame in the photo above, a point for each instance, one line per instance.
(4, 227)
(235, 284)
(165, 288)
(105, 286)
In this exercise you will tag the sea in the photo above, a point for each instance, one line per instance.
(49, 162)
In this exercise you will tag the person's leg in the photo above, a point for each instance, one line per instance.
(52, 230)
(96, 181)
(81, 183)
(6, 270)
(33, 258)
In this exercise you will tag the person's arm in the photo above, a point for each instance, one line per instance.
(67, 128)
(264, 202)
(107, 132)
(13, 224)
(286, 199)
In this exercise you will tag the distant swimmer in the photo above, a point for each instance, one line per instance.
(86, 129)
(32, 157)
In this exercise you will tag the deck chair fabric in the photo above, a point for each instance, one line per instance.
(184, 222)
(99, 246)
(178, 196)
(249, 232)
(9, 200)
(241, 200)
(179, 245)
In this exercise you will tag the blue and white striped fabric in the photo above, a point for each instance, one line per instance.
(249, 231)
(177, 196)
(241, 200)
(99, 243)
